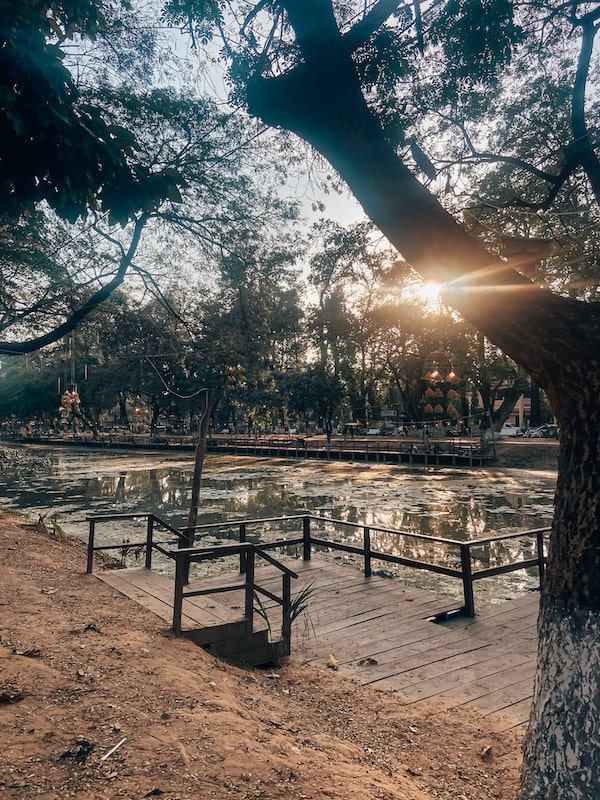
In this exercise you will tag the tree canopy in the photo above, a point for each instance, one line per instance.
(58, 147)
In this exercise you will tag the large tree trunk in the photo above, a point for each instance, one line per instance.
(562, 749)
(555, 339)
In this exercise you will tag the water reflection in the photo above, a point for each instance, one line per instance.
(449, 503)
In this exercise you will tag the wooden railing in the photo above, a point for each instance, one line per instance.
(463, 552)
(184, 555)
(149, 545)
(249, 552)
(467, 573)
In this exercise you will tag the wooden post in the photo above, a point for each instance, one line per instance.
(90, 552)
(186, 541)
(540, 554)
(249, 605)
(243, 555)
(286, 627)
(181, 570)
(367, 549)
(467, 577)
(306, 538)
(149, 537)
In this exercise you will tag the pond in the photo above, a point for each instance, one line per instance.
(68, 484)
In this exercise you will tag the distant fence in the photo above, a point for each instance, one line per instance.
(396, 450)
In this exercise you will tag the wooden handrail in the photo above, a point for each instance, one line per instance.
(467, 574)
(184, 556)
(159, 520)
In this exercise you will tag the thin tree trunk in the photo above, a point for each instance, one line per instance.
(535, 414)
(199, 462)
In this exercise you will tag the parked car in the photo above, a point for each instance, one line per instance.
(510, 430)
(548, 431)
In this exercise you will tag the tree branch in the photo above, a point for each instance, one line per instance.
(582, 145)
(28, 346)
(371, 22)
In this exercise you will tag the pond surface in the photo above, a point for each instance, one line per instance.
(453, 503)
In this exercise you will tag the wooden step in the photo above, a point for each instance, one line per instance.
(214, 634)
(206, 621)
(254, 650)
(235, 643)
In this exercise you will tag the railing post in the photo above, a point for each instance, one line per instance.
(306, 538)
(367, 549)
(149, 537)
(181, 570)
(540, 555)
(186, 541)
(90, 552)
(249, 605)
(467, 578)
(243, 555)
(286, 627)
(189, 537)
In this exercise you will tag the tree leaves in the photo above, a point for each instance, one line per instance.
(54, 147)
(477, 37)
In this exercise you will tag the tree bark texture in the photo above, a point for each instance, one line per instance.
(562, 749)
(555, 339)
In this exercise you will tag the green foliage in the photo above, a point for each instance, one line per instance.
(478, 38)
(384, 63)
(298, 606)
(54, 147)
(27, 390)
(197, 17)
(50, 270)
(33, 279)
(313, 390)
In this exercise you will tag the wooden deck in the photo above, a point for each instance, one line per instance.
(381, 634)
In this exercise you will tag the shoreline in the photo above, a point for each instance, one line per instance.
(514, 454)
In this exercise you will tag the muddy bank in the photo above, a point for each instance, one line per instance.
(532, 454)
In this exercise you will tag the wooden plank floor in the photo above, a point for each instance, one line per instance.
(381, 634)
(155, 592)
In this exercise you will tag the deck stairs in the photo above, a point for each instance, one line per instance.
(233, 641)
(216, 626)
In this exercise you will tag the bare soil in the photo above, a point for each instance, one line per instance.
(84, 670)
(541, 454)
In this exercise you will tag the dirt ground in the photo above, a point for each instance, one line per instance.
(83, 671)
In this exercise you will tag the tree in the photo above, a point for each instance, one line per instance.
(323, 84)
(314, 390)
(82, 195)
(28, 391)
(496, 378)
(350, 272)
(64, 158)
(414, 341)
(54, 148)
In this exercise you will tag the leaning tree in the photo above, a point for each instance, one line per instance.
(351, 79)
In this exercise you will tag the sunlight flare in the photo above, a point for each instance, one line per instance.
(426, 293)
